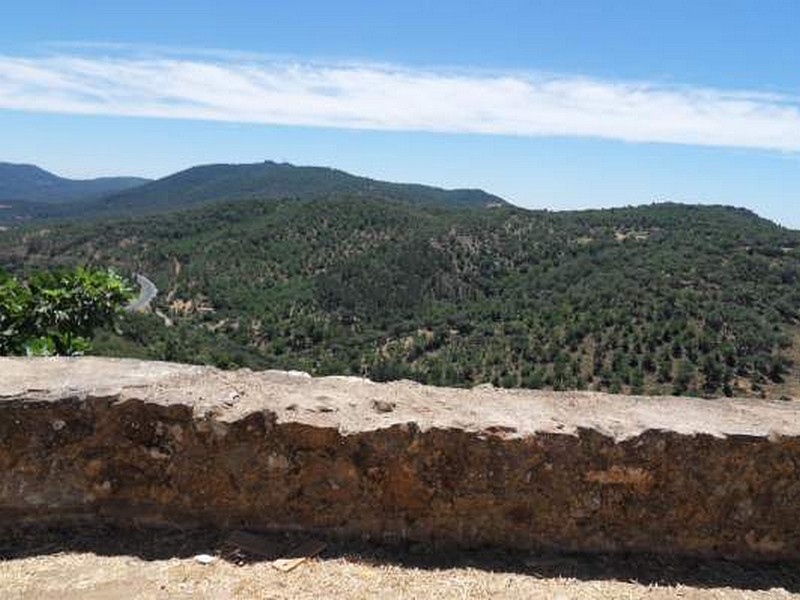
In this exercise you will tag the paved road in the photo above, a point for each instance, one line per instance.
(148, 291)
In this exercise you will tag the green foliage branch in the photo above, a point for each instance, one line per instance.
(55, 312)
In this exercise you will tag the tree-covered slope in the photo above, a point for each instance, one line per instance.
(270, 180)
(29, 183)
(16, 212)
(663, 298)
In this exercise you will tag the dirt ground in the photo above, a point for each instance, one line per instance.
(98, 563)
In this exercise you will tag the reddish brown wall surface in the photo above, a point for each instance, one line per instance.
(172, 443)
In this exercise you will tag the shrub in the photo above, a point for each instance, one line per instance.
(55, 312)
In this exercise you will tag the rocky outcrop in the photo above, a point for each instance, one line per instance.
(127, 441)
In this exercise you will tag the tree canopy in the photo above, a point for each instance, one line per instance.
(657, 299)
(56, 312)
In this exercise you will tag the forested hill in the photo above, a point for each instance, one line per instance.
(31, 184)
(659, 299)
(28, 193)
(270, 180)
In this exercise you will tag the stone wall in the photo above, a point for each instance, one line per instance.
(128, 441)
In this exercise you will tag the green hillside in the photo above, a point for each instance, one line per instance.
(128, 197)
(270, 180)
(16, 212)
(658, 299)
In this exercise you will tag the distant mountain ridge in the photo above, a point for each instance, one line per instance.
(32, 184)
(28, 192)
(272, 181)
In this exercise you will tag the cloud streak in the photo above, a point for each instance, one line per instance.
(381, 97)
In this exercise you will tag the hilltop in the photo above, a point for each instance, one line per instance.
(271, 180)
(28, 186)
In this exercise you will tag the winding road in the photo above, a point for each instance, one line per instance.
(148, 292)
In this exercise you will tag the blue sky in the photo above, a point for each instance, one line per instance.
(553, 104)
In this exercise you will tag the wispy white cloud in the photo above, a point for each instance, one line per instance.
(385, 97)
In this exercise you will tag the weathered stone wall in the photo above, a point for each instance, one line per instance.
(131, 440)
